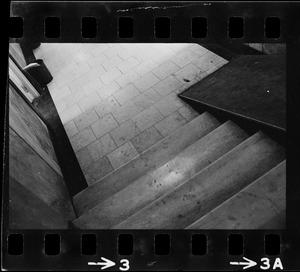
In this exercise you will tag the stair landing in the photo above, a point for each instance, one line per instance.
(252, 86)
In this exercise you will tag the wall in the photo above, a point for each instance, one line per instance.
(37, 192)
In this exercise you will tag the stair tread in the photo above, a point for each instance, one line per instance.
(160, 180)
(259, 205)
(210, 187)
(153, 157)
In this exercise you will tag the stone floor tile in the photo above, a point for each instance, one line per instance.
(69, 114)
(113, 51)
(188, 73)
(61, 93)
(166, 69)
(122, 155)
(185, 58)
(146, 139)
(97, 61)
(84, 158)
(61, 106)
(198, 49)
(92, 86)
(146, 67)
(167, 86)
(222, 63)
(106, 106)
(52, 86)
(71, 66)
(207, 61)
(74, 98)
(147, 118)
(111, 62)
(127, 78)
(216, 67)
(128, 65)
(146, 99)
(99, 49)
(71, 129)
(212, 69)
(170, 123)
(82, 69)
(108, 90)
(111, 75)
(95, 72)
(83, 56)
(97, 170)
(142, 102)
(192, 82)
(124, 132)
(163, 55)
(125, 94)
(146, 82)
(104, 125)
(89, 101)
(130, 50)
(110, 45)
(101, 147)
(145, 55)
(153, 95)
(85, 119)
(179, 47)
(82, 139)
(125, 112)
(169, 104)
(188, 112)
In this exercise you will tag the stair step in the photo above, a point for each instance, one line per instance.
(259, 205)
(163, 179)
(149, 159)
(210, 187)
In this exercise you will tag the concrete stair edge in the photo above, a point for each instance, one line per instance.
(233, 134)
(98, 184)
(215, 162)
(270, 172)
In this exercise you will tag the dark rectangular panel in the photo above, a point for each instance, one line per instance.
(250, 86)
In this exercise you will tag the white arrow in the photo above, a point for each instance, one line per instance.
(106, 264)
(247, 264)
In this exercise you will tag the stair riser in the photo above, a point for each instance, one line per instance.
(164, 179)
(210, 187)
(150, 159)
(260, 205)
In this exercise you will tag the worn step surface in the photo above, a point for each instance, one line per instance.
(163, 179)
(211, 187)
(149, 159)
(259, 205)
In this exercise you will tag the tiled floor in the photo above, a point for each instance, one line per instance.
(117, 100)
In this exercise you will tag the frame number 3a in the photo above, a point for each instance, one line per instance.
(266, 264)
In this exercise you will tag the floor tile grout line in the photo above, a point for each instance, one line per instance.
(127, 59)
(139, 154)
(182, 115)
(97, 140)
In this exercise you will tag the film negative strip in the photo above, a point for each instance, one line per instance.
(152, 136)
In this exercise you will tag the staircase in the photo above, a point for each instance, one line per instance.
(206, 175)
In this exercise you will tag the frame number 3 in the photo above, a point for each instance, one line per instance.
(125, 265)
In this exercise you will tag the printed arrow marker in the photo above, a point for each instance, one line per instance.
(106, 264)
(247, 264)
